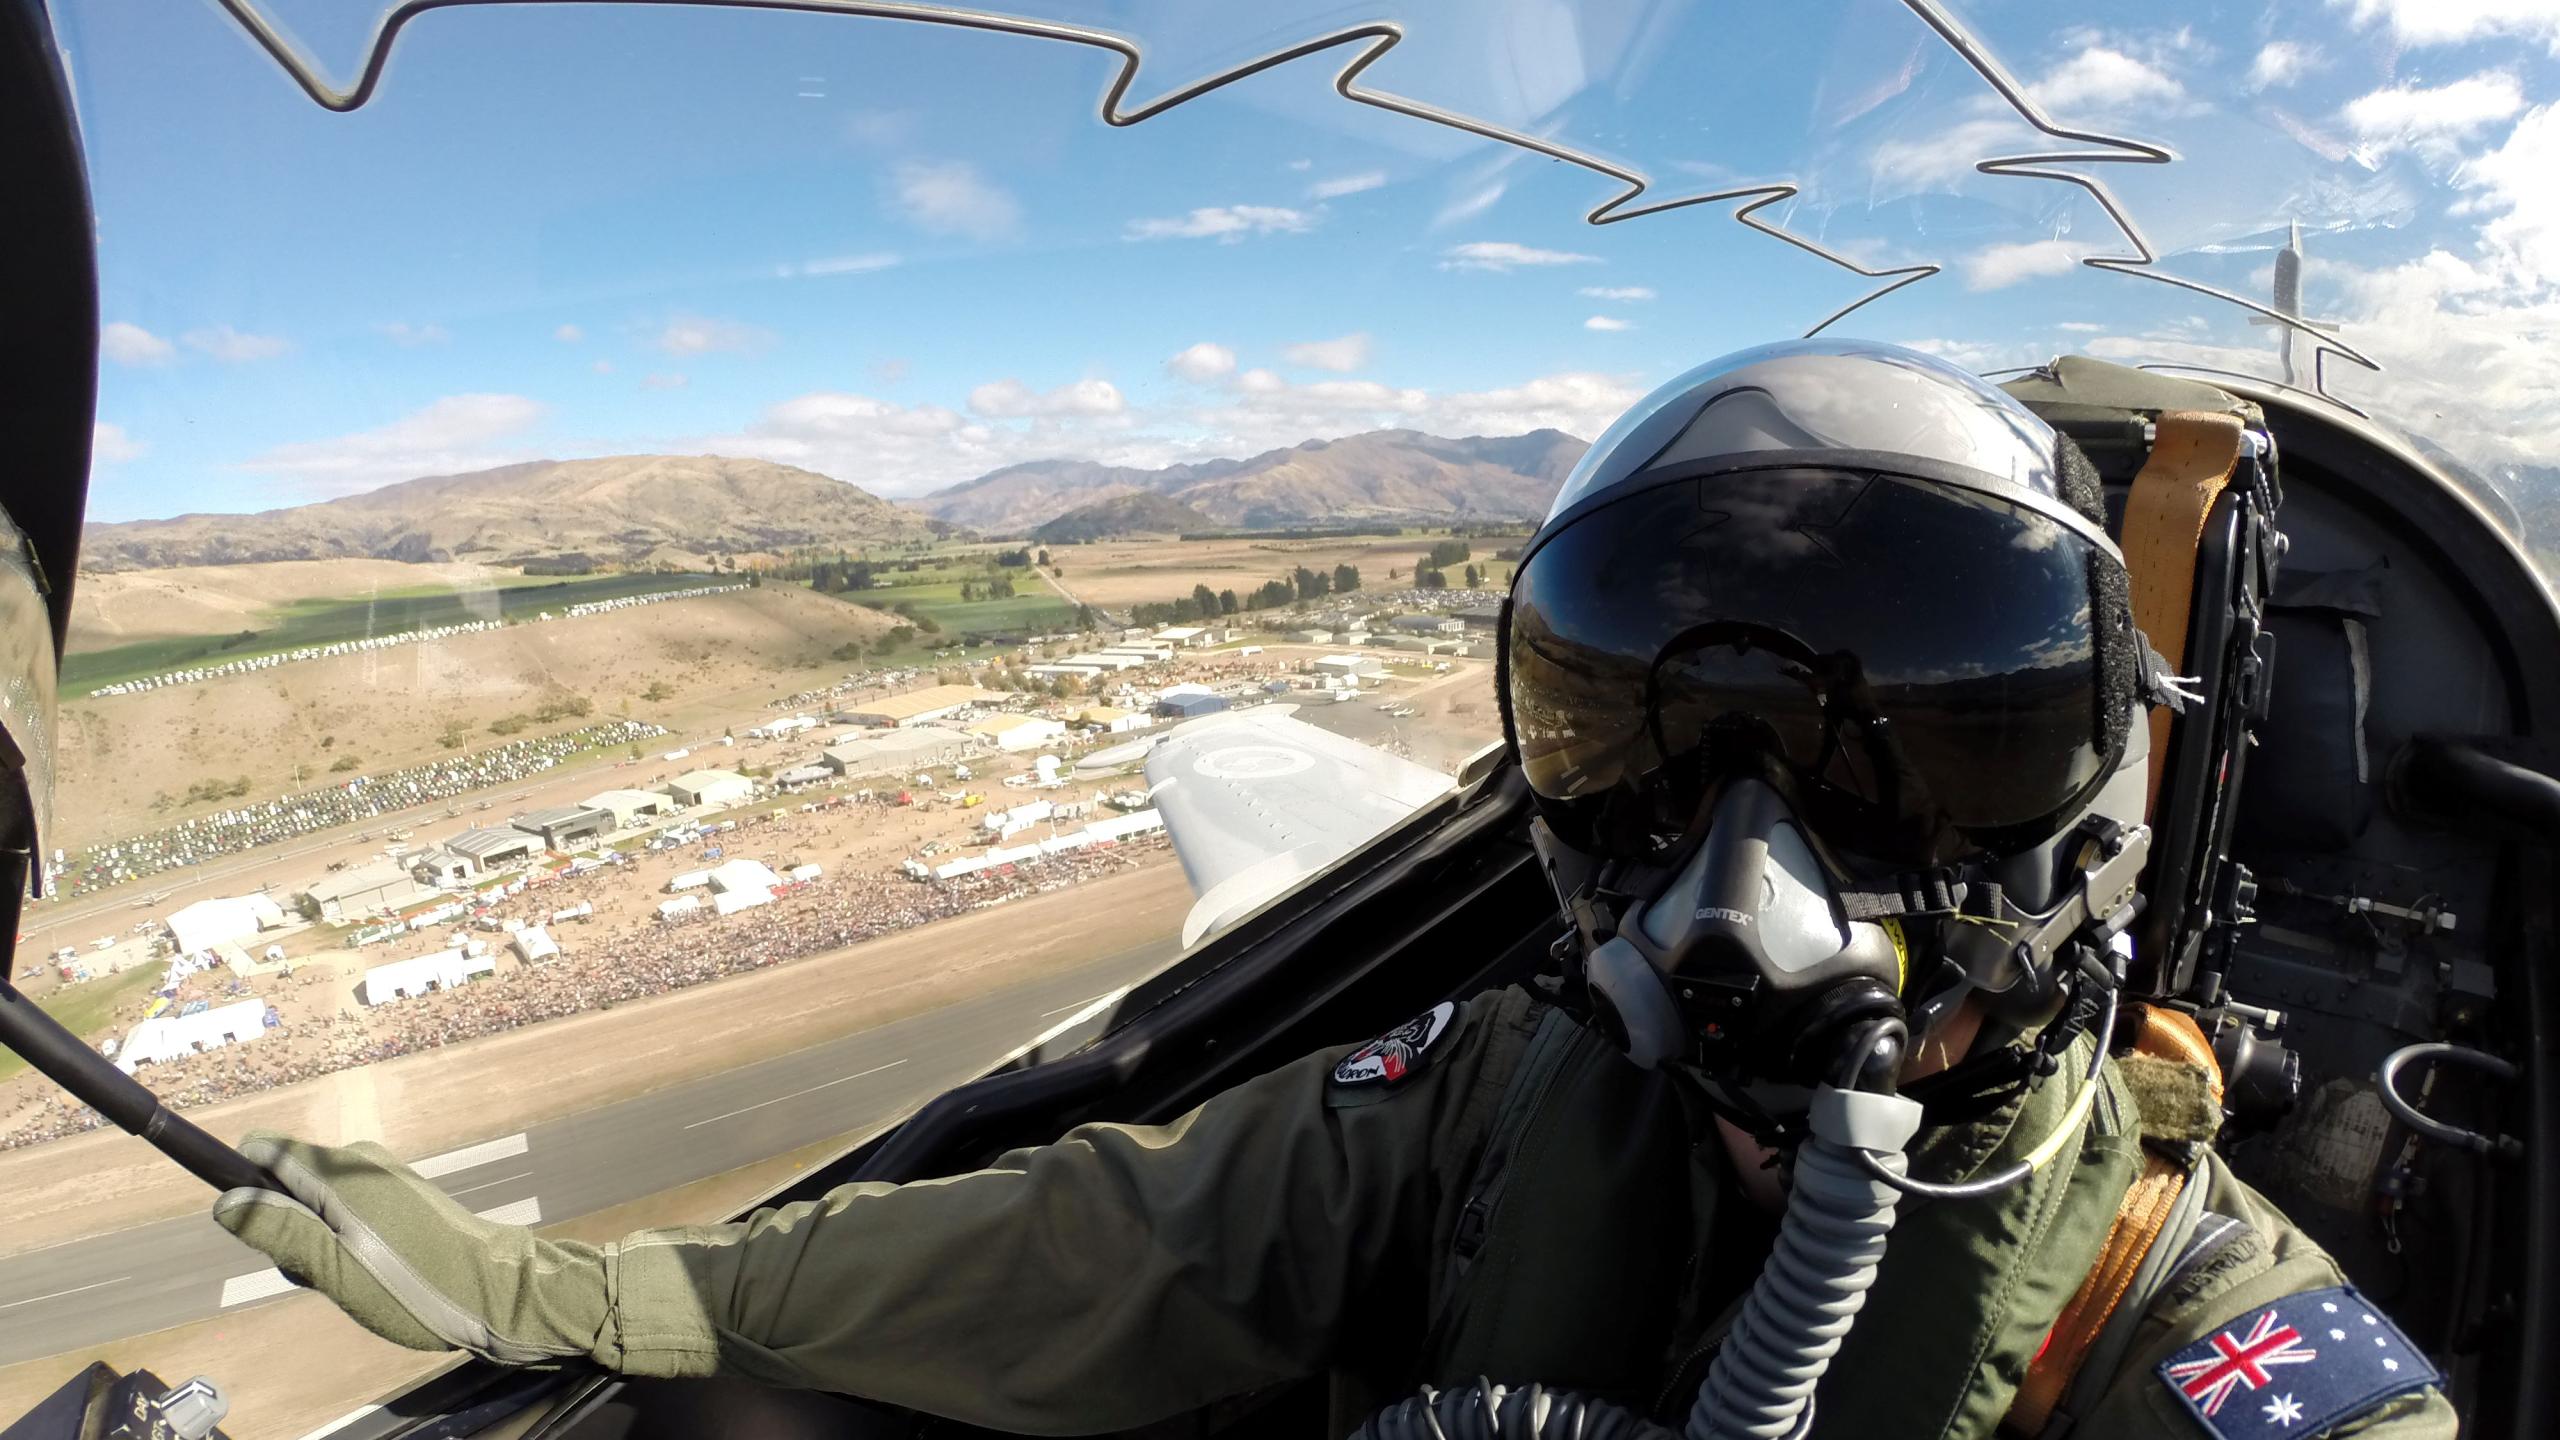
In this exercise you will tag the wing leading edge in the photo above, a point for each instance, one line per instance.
(1257, 800)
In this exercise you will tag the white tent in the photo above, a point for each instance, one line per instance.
(442, 970)
(207, 922)
(730, 902)
(683, 905)
(169, 1037)
(742, 875)
(534, 943)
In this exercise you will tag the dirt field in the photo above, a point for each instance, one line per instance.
(420, 1104)
(720, 654)
(119, 609)
(1128, 572)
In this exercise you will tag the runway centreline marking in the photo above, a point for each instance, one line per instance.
(1080, 1004)
(472, 1156)
(796, 1094)
(74, 1290)
(527, 1211)
(490, 1184)
(258, 1285)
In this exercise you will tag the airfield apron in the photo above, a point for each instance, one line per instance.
(1488, 1190)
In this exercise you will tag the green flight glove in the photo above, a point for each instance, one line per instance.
(413, 1266)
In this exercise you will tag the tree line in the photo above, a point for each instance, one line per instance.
(1204, 603)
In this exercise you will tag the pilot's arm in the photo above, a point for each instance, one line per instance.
(1117, 1276)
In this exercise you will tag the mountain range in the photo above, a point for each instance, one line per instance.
(1381, 475)
(633, 509)
(623, 509)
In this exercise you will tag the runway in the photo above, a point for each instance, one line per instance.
(106, 1287)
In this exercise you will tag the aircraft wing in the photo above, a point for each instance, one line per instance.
(1257, 800)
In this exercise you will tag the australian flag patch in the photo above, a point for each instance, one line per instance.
(2296, 1367)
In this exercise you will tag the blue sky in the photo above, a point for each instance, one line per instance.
(903, 255)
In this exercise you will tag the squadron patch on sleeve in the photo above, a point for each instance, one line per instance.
(1396, 1055)
(2295, 1367)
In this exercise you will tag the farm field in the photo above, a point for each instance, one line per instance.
(1120, 573)
(324, 620)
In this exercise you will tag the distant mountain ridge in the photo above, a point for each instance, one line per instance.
(1138, 512)
(624, 508)
(1380, 475)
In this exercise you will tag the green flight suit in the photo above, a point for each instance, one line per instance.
(1522, 1204)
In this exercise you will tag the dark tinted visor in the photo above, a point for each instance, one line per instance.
(1912, 662)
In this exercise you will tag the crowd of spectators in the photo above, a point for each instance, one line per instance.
(365, 797)
(650, 957)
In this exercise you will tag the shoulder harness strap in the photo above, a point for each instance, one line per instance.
(2158, 1203)
(2193, 453)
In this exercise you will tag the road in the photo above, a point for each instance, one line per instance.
(106, 1287)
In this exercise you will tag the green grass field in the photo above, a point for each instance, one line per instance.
(89, 1007)
(324, 622)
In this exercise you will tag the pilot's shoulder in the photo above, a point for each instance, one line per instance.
(2245, 1275)
(1454, 1045)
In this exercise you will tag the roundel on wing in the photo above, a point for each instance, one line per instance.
(1253, 762)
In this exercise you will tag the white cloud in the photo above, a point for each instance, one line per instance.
(109, 445)
(1010, 399)
(568, 334)
(1203, 363)
(1903, 164)
(670, 380)
(1258, 381)
(1468, 206)
(234, 346)
(1974, 355)
(1302, 166)
(2514, 185)
(1224, 223)
(1608, 323)
(890, 371)
(1342, 354)
(2081, 327)
(1996, 266)
(2101, 79)
(838, 265)
(2448, 22)
(401, 333)
(2280, 63)
(1622, 294)
(2431, 118)
(129, 344)
(702, 335)
(455, 434)
(954, 199)
(1499, 255)
(603, 367)
(1335, 189)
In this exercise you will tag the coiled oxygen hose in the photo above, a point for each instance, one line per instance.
(1761, 1386)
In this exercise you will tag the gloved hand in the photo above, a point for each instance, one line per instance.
(413, 1266)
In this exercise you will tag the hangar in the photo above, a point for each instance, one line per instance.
(565, 827)
(375, 885)
(1018, 732)
(897, 752)
(487, 848)
(916, 707)
(627, 806)
(711, 787)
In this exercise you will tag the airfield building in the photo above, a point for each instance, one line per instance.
(565, 827)
(370, 888)
(711, 787)
(896, 752)
(1434, 626)
(206, 922)
(1018, 732)
(163, 1038)
(486, 849)
(801, 777)
(1191, 705)
(1188, 637)
(424, 975)
(916, 707)
(1110, 719)
(1481, 617)
(627, 807)
(1348, 667)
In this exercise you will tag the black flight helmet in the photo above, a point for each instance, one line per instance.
(1849, 570)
